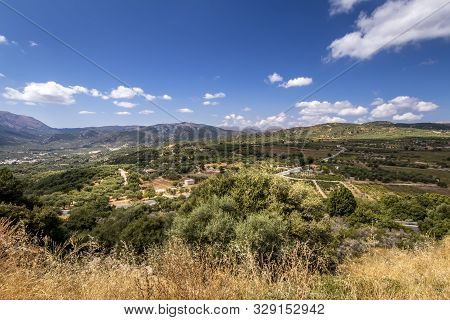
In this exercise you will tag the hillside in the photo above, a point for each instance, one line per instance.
(31, 133)
(370, 130)
(18, 129)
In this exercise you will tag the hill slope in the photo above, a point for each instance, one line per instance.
(23, 130)
(370, 130)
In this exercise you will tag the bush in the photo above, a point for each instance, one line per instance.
(341, 202)
(145, 232)
(263, 234)
(437, 222)
(11, 189)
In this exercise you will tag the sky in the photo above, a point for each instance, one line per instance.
(233, 63)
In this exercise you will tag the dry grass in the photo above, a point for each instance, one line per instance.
(399, 274)
(31, 272)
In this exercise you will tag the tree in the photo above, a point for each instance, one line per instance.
(437, 222)
(11, 189)
(341, 202)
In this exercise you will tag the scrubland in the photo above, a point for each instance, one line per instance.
(174, 271)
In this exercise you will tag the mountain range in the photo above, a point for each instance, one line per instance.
(18, 130)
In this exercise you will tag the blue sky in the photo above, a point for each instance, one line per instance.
(223, 62)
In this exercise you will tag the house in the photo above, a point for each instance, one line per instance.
(189, 182)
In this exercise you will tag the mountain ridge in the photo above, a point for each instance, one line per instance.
(19, 129)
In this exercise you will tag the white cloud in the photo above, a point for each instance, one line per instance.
(146, 111)
(274, 77)
(381, 29)
(342, 6)
(209, 96)
(32, 43)
(247, 109)
(322, 108)
(297, 82)
(235, 120)
(2, 75)
(377, 102)
(97, 94)
(165, 97)
(185, 110)
(210, 103)
(310, 120)
(87, 112)
(123, 113)
(125, 104)
(45, 92)
(122, 92)
(393, 106)
(272, 121)
(149, 97)
(408, 117)
(3, 39)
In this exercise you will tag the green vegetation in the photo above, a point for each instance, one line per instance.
(341, 202)
(239, 208)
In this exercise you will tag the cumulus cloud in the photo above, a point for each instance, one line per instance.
(165, 97)
(272, 121)
(146, 112)
(123, 113)
(149, 97)
(185, 110)
(381, 29)
(235, 120)
(274, 77)
(209, 96)
(2, 75)
(409, 116)
(394, 106)
(122, 92)
(32, 43)
(86, 112)
(322, 108)
(342, 6)
(247, 109)
(297, 82)
(125, 104)
(45, 92)
(210, 103)
(3, 39)
(310, 120)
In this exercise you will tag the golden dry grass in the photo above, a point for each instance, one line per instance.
(31, 272)
(399, 274)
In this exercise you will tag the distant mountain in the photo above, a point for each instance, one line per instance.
(29, 132)
(16, 128)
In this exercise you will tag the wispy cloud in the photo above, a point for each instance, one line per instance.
(123, 113)
(343, 6)
(218, 95)
(380, 30)
(210, 103)
(125, 104)
(87, 112)
(3, 39)
(145, 112)
(185, 110)
(274, 77)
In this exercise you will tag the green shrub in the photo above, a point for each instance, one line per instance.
(263, 234)
(341, 202)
